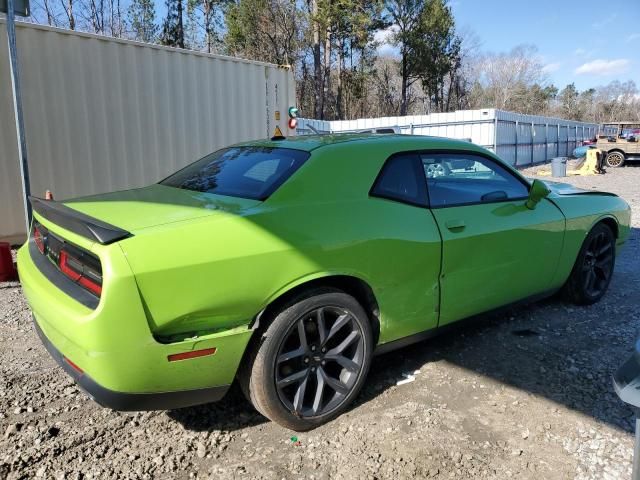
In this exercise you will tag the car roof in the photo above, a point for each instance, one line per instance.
(312, 142)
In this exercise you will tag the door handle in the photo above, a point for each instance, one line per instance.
(455, 225)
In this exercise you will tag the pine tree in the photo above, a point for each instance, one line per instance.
(142, 18)
(429, 47)
(404, 16)
(265, 30)
(437, 48)
(173, 27)
(570, 106)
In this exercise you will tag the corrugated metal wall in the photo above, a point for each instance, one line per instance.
(518, 139)
(103, 114)
(11, 209)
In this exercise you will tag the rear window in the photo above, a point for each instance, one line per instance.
(247, 172)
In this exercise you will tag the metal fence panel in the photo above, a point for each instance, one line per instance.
(563, 140)
(516, 138)
(104, 114)
(540, 150)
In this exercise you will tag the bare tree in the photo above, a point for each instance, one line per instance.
(503, 80)
(68, 10)
(46, 11)
(91, 15)
(209, 11)
(388, 88)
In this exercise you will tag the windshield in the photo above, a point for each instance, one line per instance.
(248, 172)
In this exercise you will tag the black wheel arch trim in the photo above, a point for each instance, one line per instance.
(347, 283)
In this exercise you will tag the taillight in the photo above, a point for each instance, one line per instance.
(37, 237)
(80, 272)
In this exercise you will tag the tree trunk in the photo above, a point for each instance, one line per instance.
(405, 81)
(318, 107)
(326, 83)
(111, 25)
(47, 7)
(207, 23)
(339, 112)
(450, 92)
(302, 86)
(94, 16)
(180, 27)
(100, 16)
(118, 20)
(365, 94)
(72, 18)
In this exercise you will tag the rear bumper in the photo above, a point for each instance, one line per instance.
(120, 363)
(131, 401)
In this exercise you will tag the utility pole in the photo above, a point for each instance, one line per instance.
(22, 9)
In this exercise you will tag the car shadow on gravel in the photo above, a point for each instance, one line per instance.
(508, 351)
(231, 413)
(523, 359)
(549, 348)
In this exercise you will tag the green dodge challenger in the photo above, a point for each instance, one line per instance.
(286, 264)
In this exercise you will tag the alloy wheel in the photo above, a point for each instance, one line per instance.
(435, 170)
(615, 159)
(319, 361)
(597, 266)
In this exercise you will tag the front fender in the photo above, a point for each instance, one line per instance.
(582, 212)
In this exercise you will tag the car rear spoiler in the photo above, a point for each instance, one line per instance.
(78, 222)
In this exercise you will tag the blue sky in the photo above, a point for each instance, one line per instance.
(587, 42)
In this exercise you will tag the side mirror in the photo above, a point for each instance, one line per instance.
(537, 192)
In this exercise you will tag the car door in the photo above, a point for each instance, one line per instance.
(495, 250)
(405, 247)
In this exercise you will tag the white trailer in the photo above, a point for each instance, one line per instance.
(105, 114)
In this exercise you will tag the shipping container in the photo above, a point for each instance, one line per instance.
(517, 138)
(104, 114)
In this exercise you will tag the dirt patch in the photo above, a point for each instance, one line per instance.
(526, 394)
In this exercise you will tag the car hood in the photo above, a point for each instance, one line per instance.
(560, 188)
(156, 205)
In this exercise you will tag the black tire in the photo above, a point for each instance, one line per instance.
(592, 272)
(267, 370)
(614, 159)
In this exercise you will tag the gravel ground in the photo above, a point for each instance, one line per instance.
(526, 394)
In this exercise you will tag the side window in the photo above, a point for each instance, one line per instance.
(461, 179)
(401, 179)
